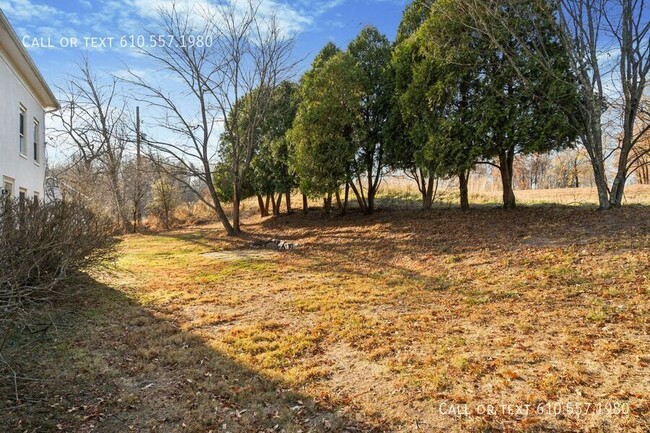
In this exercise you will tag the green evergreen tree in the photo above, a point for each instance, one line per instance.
(323, 132)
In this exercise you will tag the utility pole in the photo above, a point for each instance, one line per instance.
(138, 175)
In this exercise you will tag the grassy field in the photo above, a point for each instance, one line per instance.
(533, 320)
(401, 189)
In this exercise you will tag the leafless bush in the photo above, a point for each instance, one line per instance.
(165, 197)
(43, 248)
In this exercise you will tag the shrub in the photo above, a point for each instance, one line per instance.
(44, 247)
(165, 197)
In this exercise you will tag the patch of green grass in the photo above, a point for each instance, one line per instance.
(599, 313)
(439, 283)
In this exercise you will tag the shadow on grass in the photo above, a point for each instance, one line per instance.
(391, 234)
(112, 365)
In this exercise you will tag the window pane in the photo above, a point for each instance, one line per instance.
(36, 137)
(8, 188)
(21, 133)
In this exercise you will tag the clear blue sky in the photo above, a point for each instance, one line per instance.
(44, 22)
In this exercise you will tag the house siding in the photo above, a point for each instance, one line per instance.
(14, 93)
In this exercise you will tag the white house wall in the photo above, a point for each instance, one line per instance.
(26, 172)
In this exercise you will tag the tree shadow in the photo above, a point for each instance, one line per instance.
(111, 364)
(393, 234)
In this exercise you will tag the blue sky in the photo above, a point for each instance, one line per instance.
(49, 22)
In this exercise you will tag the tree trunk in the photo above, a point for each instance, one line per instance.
(305, 204)
(274, 204)
(123, 217)
(576, 180)
(235, 213)
(359, 196)
(278, 203)
(220, 212)
(618, 187)
(264, 212)
(463, 179)
(288, 200)
(427, 193)
(327, 204)
(601, 184)
(372, 189)
(345, 198)
(644, 175)
(593, 143)
(371, 201)
(339, 203)
(506, 162)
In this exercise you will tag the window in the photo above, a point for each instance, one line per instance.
(36, 197)
(8, 187)
(22, 195)
(36, 140)
(21, 132)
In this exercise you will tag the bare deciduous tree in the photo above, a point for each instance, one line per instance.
(93, 120)
(242, 56)
(640, 159)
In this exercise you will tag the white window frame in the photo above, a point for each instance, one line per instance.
(36, 141)
(8, 181)
(22, 139)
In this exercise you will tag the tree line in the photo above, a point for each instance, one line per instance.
(465, 82)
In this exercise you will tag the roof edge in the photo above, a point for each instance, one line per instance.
(53, 103)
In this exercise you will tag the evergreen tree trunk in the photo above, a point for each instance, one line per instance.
(278, 204)
(463, 179)
(506, 162)
(274, 204)
(288, 200)
(327, 204)
(358, 194)
(427, 193)
(346, 197)
(305, 204)
(339, 203)
(263, 210)
(372, 189)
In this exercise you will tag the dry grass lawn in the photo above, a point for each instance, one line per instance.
(533, 320)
